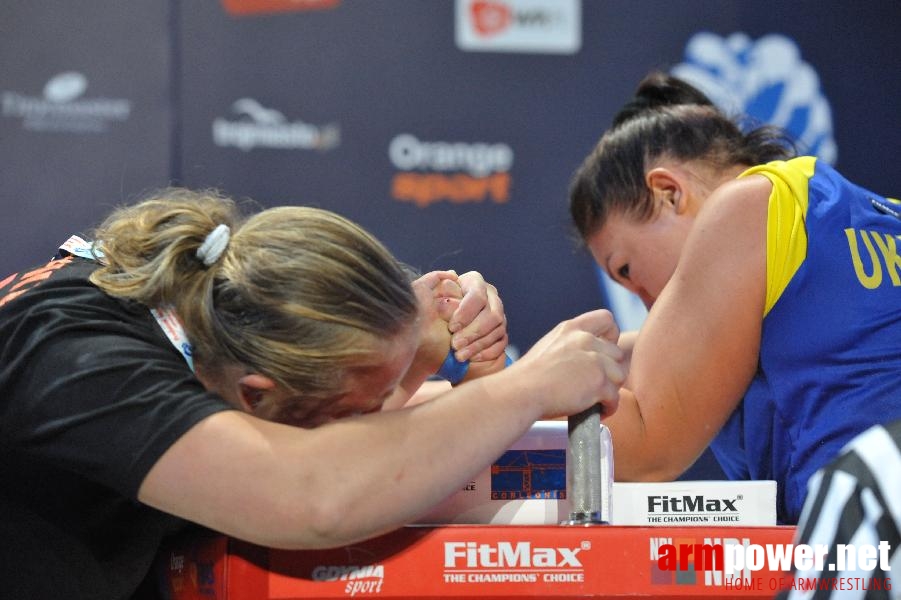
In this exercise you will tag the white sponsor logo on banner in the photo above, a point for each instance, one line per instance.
(458, 172)
(478, 159)
(361, 580)
(537, 26)
(63, 107)
(512, 562)
(261, 127)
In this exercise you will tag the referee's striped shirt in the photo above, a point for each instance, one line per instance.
(855, 500)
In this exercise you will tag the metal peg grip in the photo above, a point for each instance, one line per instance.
(591, 468)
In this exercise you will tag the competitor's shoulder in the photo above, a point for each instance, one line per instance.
(737, 204)
(754, 186)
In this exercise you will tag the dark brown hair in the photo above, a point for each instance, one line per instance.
(666, 117)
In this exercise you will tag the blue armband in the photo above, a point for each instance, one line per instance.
(455, 371)
(452, 369)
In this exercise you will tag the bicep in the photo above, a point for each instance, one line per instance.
(228, 473)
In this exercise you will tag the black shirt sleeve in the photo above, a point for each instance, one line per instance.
(90, 384)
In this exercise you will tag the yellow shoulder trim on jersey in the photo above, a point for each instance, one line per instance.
(786, 235)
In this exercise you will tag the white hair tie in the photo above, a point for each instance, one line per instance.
(214, 245)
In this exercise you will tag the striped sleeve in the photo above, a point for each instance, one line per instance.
(855, 501)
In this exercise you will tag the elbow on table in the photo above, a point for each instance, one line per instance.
(651, 467)
(309, 523)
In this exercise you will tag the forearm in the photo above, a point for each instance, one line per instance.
(415, 388)
(431, 389)
(433, 348)
(354, 478)
(482, 368)
(425, 453)
(349, 480)
(428, 391)
(626, 343)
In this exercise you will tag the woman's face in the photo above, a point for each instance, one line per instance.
(641, 256)
(364, 391)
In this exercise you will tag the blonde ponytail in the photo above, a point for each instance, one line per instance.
(296, 293)
(151, 248)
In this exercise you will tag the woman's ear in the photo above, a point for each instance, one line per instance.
(666, 188)
(252, 390)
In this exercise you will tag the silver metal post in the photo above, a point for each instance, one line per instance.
(590, 473)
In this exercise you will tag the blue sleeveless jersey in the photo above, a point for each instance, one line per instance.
(830, 355)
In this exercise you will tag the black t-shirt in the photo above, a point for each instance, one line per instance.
(92, 393)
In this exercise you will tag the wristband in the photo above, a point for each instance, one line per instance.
(452, 369)
(455, 371)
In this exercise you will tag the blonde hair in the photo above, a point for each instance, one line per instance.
(299, 294)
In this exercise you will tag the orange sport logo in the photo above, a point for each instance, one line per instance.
(457, 172)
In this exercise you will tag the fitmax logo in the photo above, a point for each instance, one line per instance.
(508, 554)
(690, 504)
